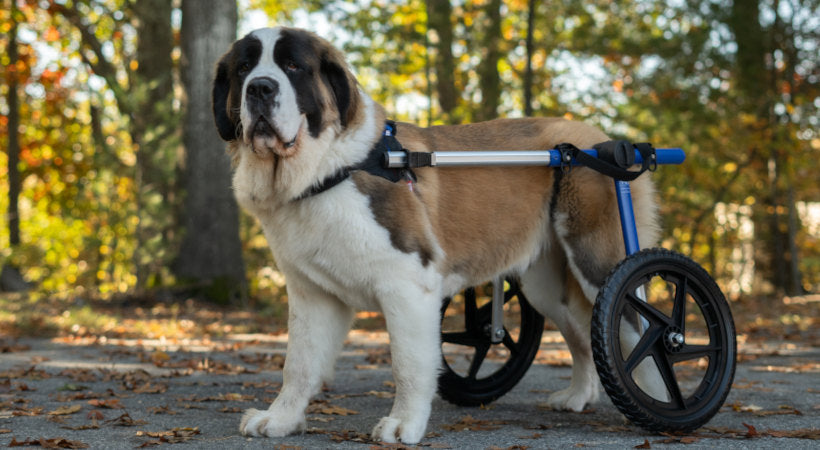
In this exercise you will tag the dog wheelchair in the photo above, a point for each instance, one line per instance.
(683, 321)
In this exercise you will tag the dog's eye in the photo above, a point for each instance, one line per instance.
(291, 66)
(244, 68)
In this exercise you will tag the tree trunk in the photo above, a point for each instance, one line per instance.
(13, 102)
(489, 79)
(755, 86)
(152, 123)
(211, 253)
(528, 75)
(439, 14)
(10, 277)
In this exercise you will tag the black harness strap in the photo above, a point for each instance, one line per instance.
(373, 165)
(614, 158)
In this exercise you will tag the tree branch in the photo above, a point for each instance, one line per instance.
(102, 66)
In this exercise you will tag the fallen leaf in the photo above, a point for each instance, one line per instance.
(23, 411)
(149, 388)
(65, 410)
(94, 415)
(159, 358)
(750, 408)
(804, 433)
(81, 375)
(173, 436)
(644, 445)
(471, 424)
(90, 426)
(751, 432)
(125, 420)
(72, 387)
(48, 443)
(161, 410)
(323, 407)
(108, 404)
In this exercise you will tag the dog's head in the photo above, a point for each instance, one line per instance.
(279, 86)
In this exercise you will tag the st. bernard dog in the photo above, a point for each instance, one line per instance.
(296, 117)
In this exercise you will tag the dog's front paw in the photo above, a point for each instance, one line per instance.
(573, 398)
(391, 429)
(271, 423)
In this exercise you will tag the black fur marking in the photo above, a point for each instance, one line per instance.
(296, 54)
(227, 90)
(336, 78)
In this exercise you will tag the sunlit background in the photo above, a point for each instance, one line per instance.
(100, 210)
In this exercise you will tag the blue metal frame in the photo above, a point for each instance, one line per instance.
(628, 225)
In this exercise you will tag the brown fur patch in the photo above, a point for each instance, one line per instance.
(400, 212)
(486, 219)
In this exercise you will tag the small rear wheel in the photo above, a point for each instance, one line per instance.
(476, 371)
(660, 313)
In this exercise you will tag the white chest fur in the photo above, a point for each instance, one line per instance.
(331, 240)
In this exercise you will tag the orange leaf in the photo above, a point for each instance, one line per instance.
(52, 34)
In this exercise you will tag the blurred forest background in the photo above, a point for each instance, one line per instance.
(114, 183)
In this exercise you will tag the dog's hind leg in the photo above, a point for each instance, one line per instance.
(415, 347)
(553, 292)
(317, 326)
(585, 219)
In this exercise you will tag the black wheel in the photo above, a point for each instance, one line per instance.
(682, 334)
(477, 372)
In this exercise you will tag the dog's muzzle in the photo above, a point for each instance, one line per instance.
(260, 96)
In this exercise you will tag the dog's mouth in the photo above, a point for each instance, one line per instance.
(266, 139)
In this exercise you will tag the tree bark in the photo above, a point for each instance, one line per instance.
(211, 253)
(528, 74)
(10, 277)
(439, 19)
(489, 79)
(13, 102)
(152, 123)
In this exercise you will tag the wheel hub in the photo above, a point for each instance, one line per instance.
(673, 339)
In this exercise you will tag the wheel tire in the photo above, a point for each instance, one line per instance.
(663, 341)
(469, 390)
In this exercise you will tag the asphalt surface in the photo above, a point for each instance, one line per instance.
(127, 394)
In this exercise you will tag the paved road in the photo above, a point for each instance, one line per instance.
(126, 394)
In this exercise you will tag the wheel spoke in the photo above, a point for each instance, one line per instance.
(642, 349)
(679, 308)
(689, 352)
(478, 358)
(508, 342)
(669, 378)
(465, 338)
(648, 311)
(470, 314)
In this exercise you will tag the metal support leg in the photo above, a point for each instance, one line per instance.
(630, 232)
(497, 325)
(628, 226)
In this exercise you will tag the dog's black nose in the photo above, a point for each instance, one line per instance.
(263, 88)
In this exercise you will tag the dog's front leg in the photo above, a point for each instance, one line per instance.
(415, 347)
(317, 325)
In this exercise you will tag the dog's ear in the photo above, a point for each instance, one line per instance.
(219, 96)
(344, 86)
